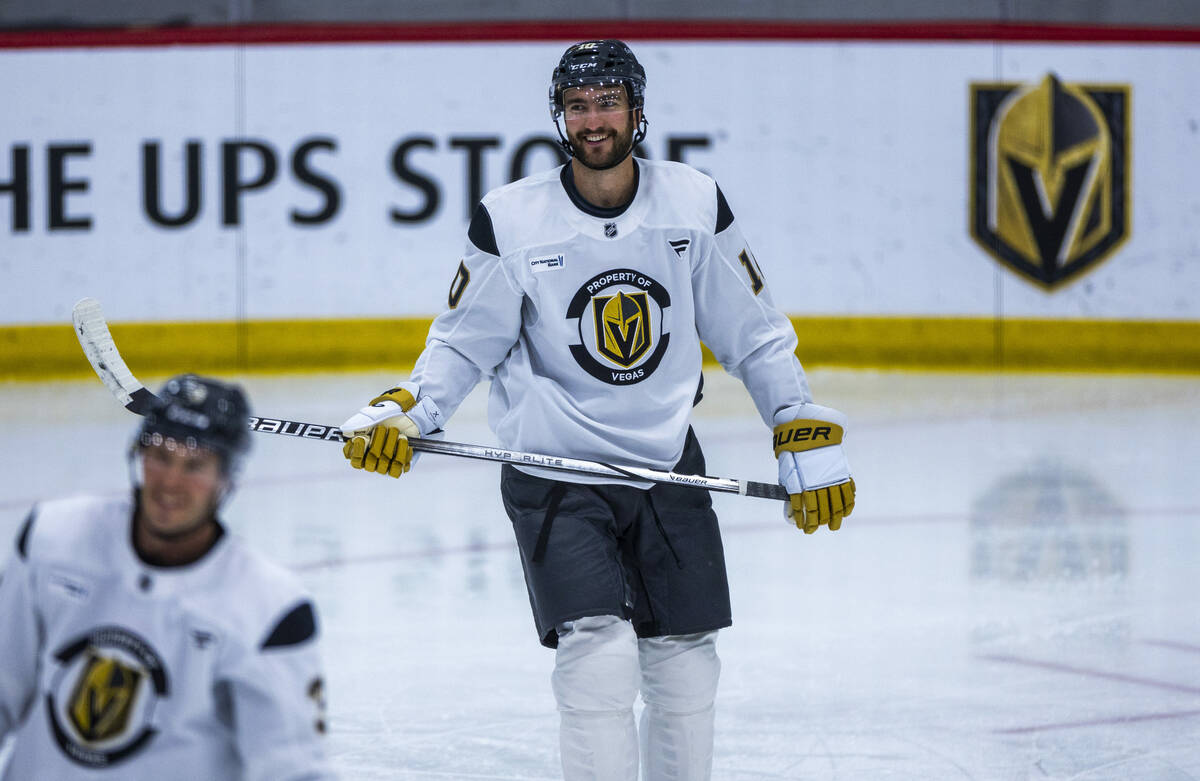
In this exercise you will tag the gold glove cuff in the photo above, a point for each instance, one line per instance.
(398, 395)
(800, 435)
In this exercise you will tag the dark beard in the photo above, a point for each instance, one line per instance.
(622, 146)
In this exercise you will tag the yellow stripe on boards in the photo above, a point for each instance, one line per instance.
(36, 352)
(161, 349)
(991, 344)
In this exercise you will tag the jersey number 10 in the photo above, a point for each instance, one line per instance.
(752, 270)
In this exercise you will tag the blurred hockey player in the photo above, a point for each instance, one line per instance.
(141, 641)
(583, 296)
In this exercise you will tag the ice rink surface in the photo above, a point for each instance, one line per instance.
(1017, 595)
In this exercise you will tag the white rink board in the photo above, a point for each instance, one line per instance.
(847, 164)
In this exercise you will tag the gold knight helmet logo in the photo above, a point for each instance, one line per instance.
(103, 698)
(1049, 192)
(622, 327)
(103, 695)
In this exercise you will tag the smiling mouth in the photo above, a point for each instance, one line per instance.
(167, 502)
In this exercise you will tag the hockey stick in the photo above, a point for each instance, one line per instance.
(101, 351)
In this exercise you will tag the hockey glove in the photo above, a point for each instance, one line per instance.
(377, 435)
(813, 467)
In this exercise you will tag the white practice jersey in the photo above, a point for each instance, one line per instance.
(588, 322)
(112, 668)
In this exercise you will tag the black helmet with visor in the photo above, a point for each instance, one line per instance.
(598, 63)
(199, 412)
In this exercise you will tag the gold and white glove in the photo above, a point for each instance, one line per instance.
(813, 466)
(377, 435)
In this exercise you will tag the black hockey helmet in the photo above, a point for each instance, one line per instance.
(598, 62)
(196, 412)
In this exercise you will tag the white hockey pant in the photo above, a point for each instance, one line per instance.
(679, 686)
(595, 682)
(598, 668)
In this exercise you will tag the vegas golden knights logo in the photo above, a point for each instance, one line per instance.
(103, 699)
(622, 327)
(103, 694)
(620, 316)
(1049, 192)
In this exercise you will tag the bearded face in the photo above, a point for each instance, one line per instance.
(600, 124)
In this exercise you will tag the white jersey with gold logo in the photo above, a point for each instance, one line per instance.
(588, 322)
(113, 668)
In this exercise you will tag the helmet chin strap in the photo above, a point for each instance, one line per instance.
(136, 475)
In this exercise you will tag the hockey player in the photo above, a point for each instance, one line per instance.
(583, 296)
(141, 641)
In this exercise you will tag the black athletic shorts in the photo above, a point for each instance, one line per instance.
(653, 556)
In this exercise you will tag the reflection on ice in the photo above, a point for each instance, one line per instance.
(1048, 522)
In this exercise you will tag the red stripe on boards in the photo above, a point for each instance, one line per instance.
(659, 30)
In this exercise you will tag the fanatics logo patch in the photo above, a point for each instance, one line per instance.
(1049, 189)
(548, 263)
(679, 245)
(202, 638)
(620, 317)
(69, 587)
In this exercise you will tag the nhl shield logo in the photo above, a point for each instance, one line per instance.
(1049, 191)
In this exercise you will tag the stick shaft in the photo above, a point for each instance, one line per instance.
(97, 343)
(296, 428)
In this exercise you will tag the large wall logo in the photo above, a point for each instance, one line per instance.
(620, 320)
(1049, 189)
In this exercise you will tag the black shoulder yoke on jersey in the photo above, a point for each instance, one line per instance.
(299, 625)
(724, 213)
(23, 536)
(481, 233)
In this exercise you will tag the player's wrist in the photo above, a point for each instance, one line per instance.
(403, 401)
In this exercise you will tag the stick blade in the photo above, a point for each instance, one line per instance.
(92, 331)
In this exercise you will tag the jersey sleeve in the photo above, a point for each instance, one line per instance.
(18, 633)
(736, 319)
(481, 324)
(275, 693)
